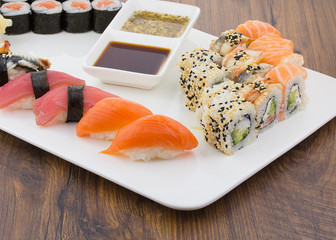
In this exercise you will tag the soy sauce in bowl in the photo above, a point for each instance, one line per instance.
(133, 57)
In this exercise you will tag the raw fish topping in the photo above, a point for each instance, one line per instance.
(258, 82)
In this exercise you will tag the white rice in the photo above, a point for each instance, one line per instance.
(25, 9)
(44, 10)
(110, 135)
(68, 8)
(23, 103)
(149, 153)
(110, 7)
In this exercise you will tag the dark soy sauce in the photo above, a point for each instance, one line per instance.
(133, 57)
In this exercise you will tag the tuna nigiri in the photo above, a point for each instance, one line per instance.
(153, 136)
(270, 40)
(109, 115)
(275, 56)
(66, 104)
(21, 91)
(254, 29)
(291, 77)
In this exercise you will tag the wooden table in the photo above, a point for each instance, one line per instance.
(45, 197)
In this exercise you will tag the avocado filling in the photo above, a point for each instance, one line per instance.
(294, 99)
(270, 113)
(241, 130)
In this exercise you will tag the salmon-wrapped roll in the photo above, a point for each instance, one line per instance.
(292, 78)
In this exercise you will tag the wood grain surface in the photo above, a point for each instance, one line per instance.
(45, 197)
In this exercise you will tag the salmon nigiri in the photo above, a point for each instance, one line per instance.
(292, 78)
(153, 136)
(254, 29)
(21, 91)
(66, 103)
(270, 40)
(275, 56)
(109, 115)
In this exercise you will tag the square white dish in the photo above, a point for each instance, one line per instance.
(114, 34)
(191, 181)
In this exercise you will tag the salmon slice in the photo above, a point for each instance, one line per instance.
(270, 40)
(275, 56)
(254, 29)
(153, 131)
(14, 6)
(47, 4)
(110, 114)
(52, 107)
(285, 72)
(79, 4)
(21, 87)
(104, 3)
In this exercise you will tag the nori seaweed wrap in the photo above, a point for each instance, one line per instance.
(77, 16)
(19, 13)
(103, 13)
(47, 16)
(75, 103)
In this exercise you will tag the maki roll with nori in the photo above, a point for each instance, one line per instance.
(19, 13)
(47, 15)
(77, 16)
(103, 13)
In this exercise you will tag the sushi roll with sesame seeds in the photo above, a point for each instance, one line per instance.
(250, 72)
(198, 56)
(239, 59)
(194, 81)
(227, 120)
(268, 105)
(228, 41)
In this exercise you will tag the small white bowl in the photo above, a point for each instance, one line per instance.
(114, 34)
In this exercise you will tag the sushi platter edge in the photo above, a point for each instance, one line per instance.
(191, 181)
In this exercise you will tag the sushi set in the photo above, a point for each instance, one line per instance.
(50, 16)
(200, 173)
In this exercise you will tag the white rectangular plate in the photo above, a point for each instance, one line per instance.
(191, 181)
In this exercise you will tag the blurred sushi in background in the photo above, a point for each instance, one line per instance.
(103, 13)
(77, 16)
(20, 14)
(46, 16)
